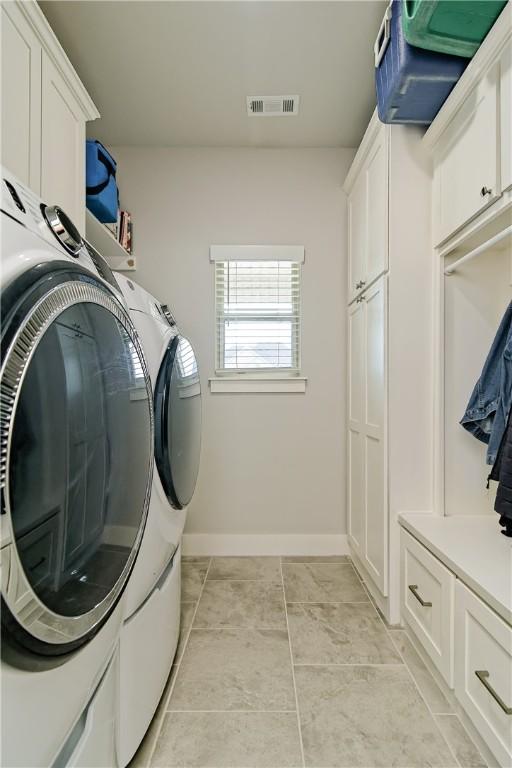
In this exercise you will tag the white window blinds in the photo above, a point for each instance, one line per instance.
(258, 316)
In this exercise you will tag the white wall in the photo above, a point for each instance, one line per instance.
(271, 464)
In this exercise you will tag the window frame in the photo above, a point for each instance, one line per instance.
(293, 318)
(258, 379)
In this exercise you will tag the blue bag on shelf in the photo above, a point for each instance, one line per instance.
(102, 196)
(412, 83)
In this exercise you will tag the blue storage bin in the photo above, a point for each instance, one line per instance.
(412, 83)
(102, 196)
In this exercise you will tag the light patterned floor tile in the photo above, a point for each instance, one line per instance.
(430, 690)
(339, 633)
(235, 669)
(228, 740)
(257, 604)
(192, 580)
(366, 716)
(246, 568)
(322, 583)
(459, 742)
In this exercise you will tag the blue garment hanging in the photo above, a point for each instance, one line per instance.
(489, 406)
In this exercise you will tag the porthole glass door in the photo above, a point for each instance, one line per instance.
(78, 468)
(178, 422)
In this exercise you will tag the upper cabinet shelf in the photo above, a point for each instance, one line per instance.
(471, 141)
(106, 244)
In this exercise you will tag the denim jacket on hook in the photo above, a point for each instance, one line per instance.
(489, 406)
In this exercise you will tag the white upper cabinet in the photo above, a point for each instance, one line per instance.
(367, 198)
(470, 140)
(506, 117)
(21, 104)
(357, 235)
(44, 110)
(466, 161)
(377, 208)
(62, 145)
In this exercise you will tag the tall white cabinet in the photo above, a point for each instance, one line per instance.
(389, 350)
(44, 110)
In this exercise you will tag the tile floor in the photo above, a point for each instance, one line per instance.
(284, 662)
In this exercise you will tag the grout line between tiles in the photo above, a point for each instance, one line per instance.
(273, 582)
(235, 711)
(293, 670)
(178, 665)
(328, 602)
(398, 664)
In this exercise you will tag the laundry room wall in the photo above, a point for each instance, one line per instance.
(272, 474)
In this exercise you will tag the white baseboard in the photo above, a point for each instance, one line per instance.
(220, 544)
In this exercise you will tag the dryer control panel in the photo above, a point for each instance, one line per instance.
(47, 221)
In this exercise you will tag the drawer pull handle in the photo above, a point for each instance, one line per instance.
(485, 191)
(424, 603)
(483, 675)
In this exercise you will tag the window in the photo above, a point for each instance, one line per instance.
(258, 314)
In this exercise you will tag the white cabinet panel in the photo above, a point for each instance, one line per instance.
(368, 217)
(377, 209)
(21, 101)
(357, 207)
(376, 517)
(355, 434)
(62, 146)
(367, 477)
(466, 160)
(483, 645)
(506, 117)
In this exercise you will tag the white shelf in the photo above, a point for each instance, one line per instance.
(473, 548)
(106, 244)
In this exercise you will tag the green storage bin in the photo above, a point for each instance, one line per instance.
(449, 26)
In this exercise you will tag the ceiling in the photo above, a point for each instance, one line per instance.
(178, 73)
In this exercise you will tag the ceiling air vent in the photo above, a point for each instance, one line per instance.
(272, 106)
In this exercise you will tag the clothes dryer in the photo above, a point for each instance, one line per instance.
(76, 431)
(153, 596)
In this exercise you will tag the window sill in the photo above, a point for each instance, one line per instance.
(263, 384)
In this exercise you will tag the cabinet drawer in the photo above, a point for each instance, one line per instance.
(483, 645)
(427, 603)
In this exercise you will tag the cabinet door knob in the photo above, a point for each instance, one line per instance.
(360, 284)
(485, 191)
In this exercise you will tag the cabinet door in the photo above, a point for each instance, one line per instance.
(374, 428)
(355, 496)
(506, 118)
(21, 96)
(466, 173)
(377, 209)
(357, 236)
(62, 146)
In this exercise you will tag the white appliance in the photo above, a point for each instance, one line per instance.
(76, 431)
(149, 634)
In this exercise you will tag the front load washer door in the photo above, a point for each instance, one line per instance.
(77, 455)
(178, 422)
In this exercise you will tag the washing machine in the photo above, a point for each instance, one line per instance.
(76, 465)
(153, 595)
